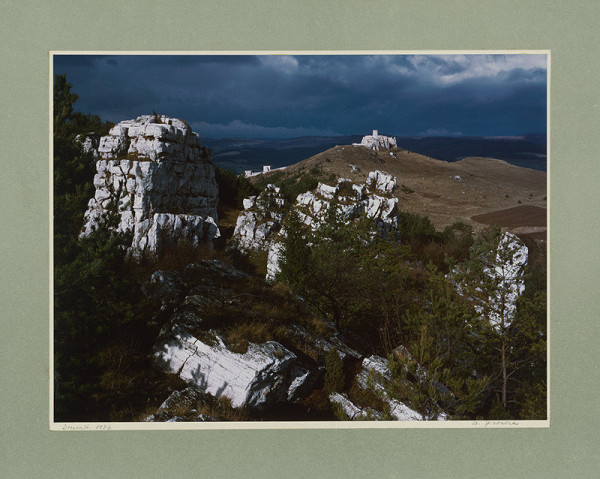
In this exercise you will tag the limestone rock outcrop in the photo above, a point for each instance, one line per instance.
(256, 376)
(381, 181)
(352, 200)
(260, 226)
(266, 373)
(352, 411)
(260, 220)
(507, 273)
(154, 172)
(375, 374)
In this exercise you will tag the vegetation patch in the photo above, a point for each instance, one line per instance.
(292, 186)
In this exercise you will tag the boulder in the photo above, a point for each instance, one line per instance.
(352, 411)
(160, 179)
(265, 374)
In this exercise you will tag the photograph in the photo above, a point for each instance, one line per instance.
(299, 238)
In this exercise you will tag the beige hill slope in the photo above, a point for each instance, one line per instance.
(492, 191)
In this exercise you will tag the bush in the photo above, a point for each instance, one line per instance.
(413, 226)
(334, 372)
(294, 185)
(232, 188)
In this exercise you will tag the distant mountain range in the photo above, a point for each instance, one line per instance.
(240, 154)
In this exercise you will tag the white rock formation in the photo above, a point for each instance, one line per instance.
(353, 411)
(508, 274)
(352, 201)
(505, 271)
(259, 227)
(273, 259)
(259, 221)
(381, 181)
(161, 181)
(266, 373)
(374, 375)
(378, 142)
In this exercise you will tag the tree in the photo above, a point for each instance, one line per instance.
(100, 334)
(528, 347)
(434, 370)
(336, 268)
(295, 264)
(63, 105)
(492, 279)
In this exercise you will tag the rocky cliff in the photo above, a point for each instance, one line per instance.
(155, 174)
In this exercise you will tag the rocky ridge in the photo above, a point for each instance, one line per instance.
(154, 172)
(260, 226)
(156, 164)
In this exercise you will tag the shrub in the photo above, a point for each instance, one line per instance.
(232, 188)
(413, 226)
(334, 372)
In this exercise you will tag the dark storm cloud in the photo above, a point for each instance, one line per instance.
(282, 95)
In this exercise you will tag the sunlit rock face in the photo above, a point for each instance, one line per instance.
(156, 176)
(264, 374)
(381, 181)
(507, 273)
(259, 221)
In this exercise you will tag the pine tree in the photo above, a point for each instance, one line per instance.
(63, 105)
(492, 280)
(98, 308)
(434, 371)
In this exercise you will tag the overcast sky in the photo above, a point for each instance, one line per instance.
(283, 96)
